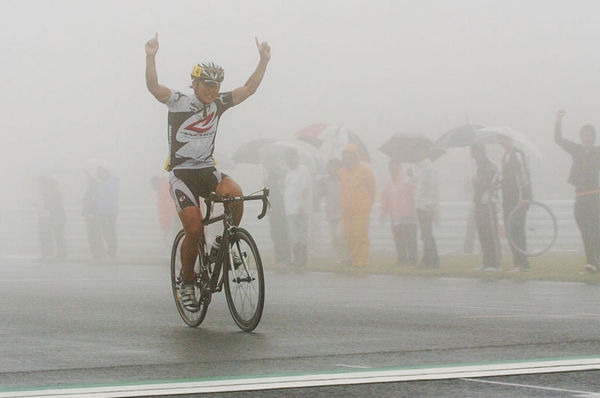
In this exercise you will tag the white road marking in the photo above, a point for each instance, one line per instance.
(533, 387)
(314, 380)
(27, 280)
(353, 366)
(532, 315)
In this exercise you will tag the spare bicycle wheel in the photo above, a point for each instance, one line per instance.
(539, 225)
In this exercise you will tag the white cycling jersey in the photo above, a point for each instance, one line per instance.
(193, 129)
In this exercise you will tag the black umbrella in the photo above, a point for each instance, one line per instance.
(250, 152)
(458, 137)
(403, 147)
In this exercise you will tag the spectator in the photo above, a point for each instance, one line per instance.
(583, 176)
(167, 213)
(108, 208)
(51, 220)
(297, 199)
(427, 205)
(90, 215)
(516, 187)
(358, 194)
(277, 220)
(398, 202)
(330, 190)
(470, 227)
(485, 208)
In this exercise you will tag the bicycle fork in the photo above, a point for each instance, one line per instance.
(242, 255)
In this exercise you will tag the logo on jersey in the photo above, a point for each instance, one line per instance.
(202, 125)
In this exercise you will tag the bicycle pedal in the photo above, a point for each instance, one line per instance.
(205, 297)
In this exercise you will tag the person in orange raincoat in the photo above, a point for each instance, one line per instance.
(358, 194)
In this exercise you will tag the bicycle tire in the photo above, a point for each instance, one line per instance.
(245, 282)
(551, 218)
(191, 318)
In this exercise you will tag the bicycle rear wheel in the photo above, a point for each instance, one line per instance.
(191, 318)
(244, 283)
(540, 226)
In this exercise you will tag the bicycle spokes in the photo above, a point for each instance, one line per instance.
(191, 316)
(245, 283)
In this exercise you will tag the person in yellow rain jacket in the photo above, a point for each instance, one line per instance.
(358, 194)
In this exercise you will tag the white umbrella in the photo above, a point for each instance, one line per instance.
(520, 139)
(335, 139)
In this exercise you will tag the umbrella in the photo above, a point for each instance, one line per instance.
(335, 140)
(313, 131)
(331, 140)
(402, 147)
(458, 136)
(488, 135)
(249, 152)
(272, 157)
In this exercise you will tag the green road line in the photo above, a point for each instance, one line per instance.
(299, 374)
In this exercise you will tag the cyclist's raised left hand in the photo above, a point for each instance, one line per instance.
(263, 49)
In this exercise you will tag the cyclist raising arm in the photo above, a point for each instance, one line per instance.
(193, 122)
(162, 93)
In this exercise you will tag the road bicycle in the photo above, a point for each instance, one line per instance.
(236, 267)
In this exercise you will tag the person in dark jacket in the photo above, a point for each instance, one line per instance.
(583, 175)
(516, 188)
(484, 209)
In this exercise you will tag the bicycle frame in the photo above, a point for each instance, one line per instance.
(219, 270)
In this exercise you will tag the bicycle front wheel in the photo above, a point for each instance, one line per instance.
(532, 228)
(194, 317)
(244, 281)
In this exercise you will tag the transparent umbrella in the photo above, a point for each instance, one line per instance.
(487, 135)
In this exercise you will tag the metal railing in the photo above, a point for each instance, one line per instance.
(139, 234)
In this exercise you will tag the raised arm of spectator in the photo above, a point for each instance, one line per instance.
(567, 145)
(160, 92)
(240, 94)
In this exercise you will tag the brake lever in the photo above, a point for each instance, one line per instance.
(209, 204)
(265, 203)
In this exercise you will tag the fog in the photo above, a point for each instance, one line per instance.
(73, 80)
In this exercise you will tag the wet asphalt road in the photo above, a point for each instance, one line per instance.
(75, 323)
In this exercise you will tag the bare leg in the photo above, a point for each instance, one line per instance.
(191, 218)
(229, 187)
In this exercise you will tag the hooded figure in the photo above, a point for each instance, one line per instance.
(358, 194)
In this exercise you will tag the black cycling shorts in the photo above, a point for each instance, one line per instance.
(187, 185)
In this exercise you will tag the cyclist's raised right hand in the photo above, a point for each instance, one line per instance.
(152, 45)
